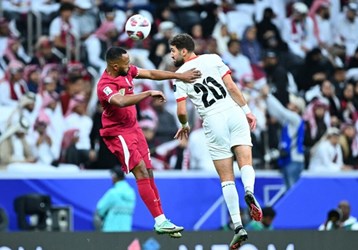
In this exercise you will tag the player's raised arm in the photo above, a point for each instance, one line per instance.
(187, 76)
(128, 100)
(239, 98)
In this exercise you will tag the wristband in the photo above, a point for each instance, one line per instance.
(246, 109)
(185, 125)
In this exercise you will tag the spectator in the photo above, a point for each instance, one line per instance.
(116, 207)
(315, 69)
(268, 34)
(79, 153)
(277, 77)
(322, 23)
(316, 123)
(85, 18)
(52, 108)
(199, 156)
(64, 28)
(291, 145)
(222, 36)
(268, 215)
(166, 126)
(164, 155)
(326, 155)
(14, 147)
(238, 63)
(5, 35)
(348, 222)
(104, 158)
(75, 85)
(32, 77)
(346, 27)
(349, 143)
(46, 53)
(97, 44)
(353, 60)
(41, 142)
(349, 104)
(250, 46)
(338, 80)
(15, 52)
(298, 31)
(14, 85)
(160, 42)
(332, 222)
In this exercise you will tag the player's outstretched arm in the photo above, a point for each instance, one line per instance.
(239, 98)
(128, 100)
(187, 76)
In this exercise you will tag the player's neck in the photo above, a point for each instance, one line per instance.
(112, 73)
(190, 56)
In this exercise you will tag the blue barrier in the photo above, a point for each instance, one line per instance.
(189, 198)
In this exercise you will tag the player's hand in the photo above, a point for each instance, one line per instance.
(190, 75)
(158, 95)
(252, 120)
(183, 133)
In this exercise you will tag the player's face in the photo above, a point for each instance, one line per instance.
(177, 56)
(122, 65)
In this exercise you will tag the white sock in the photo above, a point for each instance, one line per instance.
(248, 178)
(160, 219)
(232, 201)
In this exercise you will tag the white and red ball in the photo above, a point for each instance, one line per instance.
(138, 27)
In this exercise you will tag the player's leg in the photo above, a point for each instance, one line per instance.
(162, 224)
(155, 189)
(244, 160)
(225, 170)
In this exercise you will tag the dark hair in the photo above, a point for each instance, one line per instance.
(114, 53)
(117, 172)
(231, 41)
(66, 6)
(183, 41)
(268, 212)
(74, 78)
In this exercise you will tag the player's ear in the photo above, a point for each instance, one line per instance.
(115, 66)
(184, 52)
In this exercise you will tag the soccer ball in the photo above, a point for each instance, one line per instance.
(138, 27)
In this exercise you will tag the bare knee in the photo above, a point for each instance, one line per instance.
(140, 171)
(243, 155)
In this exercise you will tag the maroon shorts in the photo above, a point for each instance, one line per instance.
(130, 148)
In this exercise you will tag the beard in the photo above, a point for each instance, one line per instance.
(178, 62)
(123, 73)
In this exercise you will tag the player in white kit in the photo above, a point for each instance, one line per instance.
(226, 121)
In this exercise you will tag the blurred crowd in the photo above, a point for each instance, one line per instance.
(295, 61)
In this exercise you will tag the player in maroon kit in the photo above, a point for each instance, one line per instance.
(121, 131)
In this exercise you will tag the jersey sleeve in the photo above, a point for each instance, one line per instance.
(180, 90)
(221, 66)
(106, 91)
(133, 71)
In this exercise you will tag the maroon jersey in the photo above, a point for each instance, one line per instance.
(116, 120)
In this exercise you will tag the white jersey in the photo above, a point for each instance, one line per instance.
(209, 93)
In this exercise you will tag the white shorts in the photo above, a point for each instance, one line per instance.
(224, 130)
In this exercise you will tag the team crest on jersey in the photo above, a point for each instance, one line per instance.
(107, 90)
(122, 91)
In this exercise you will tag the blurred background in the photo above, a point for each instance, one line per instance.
(300, 57)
